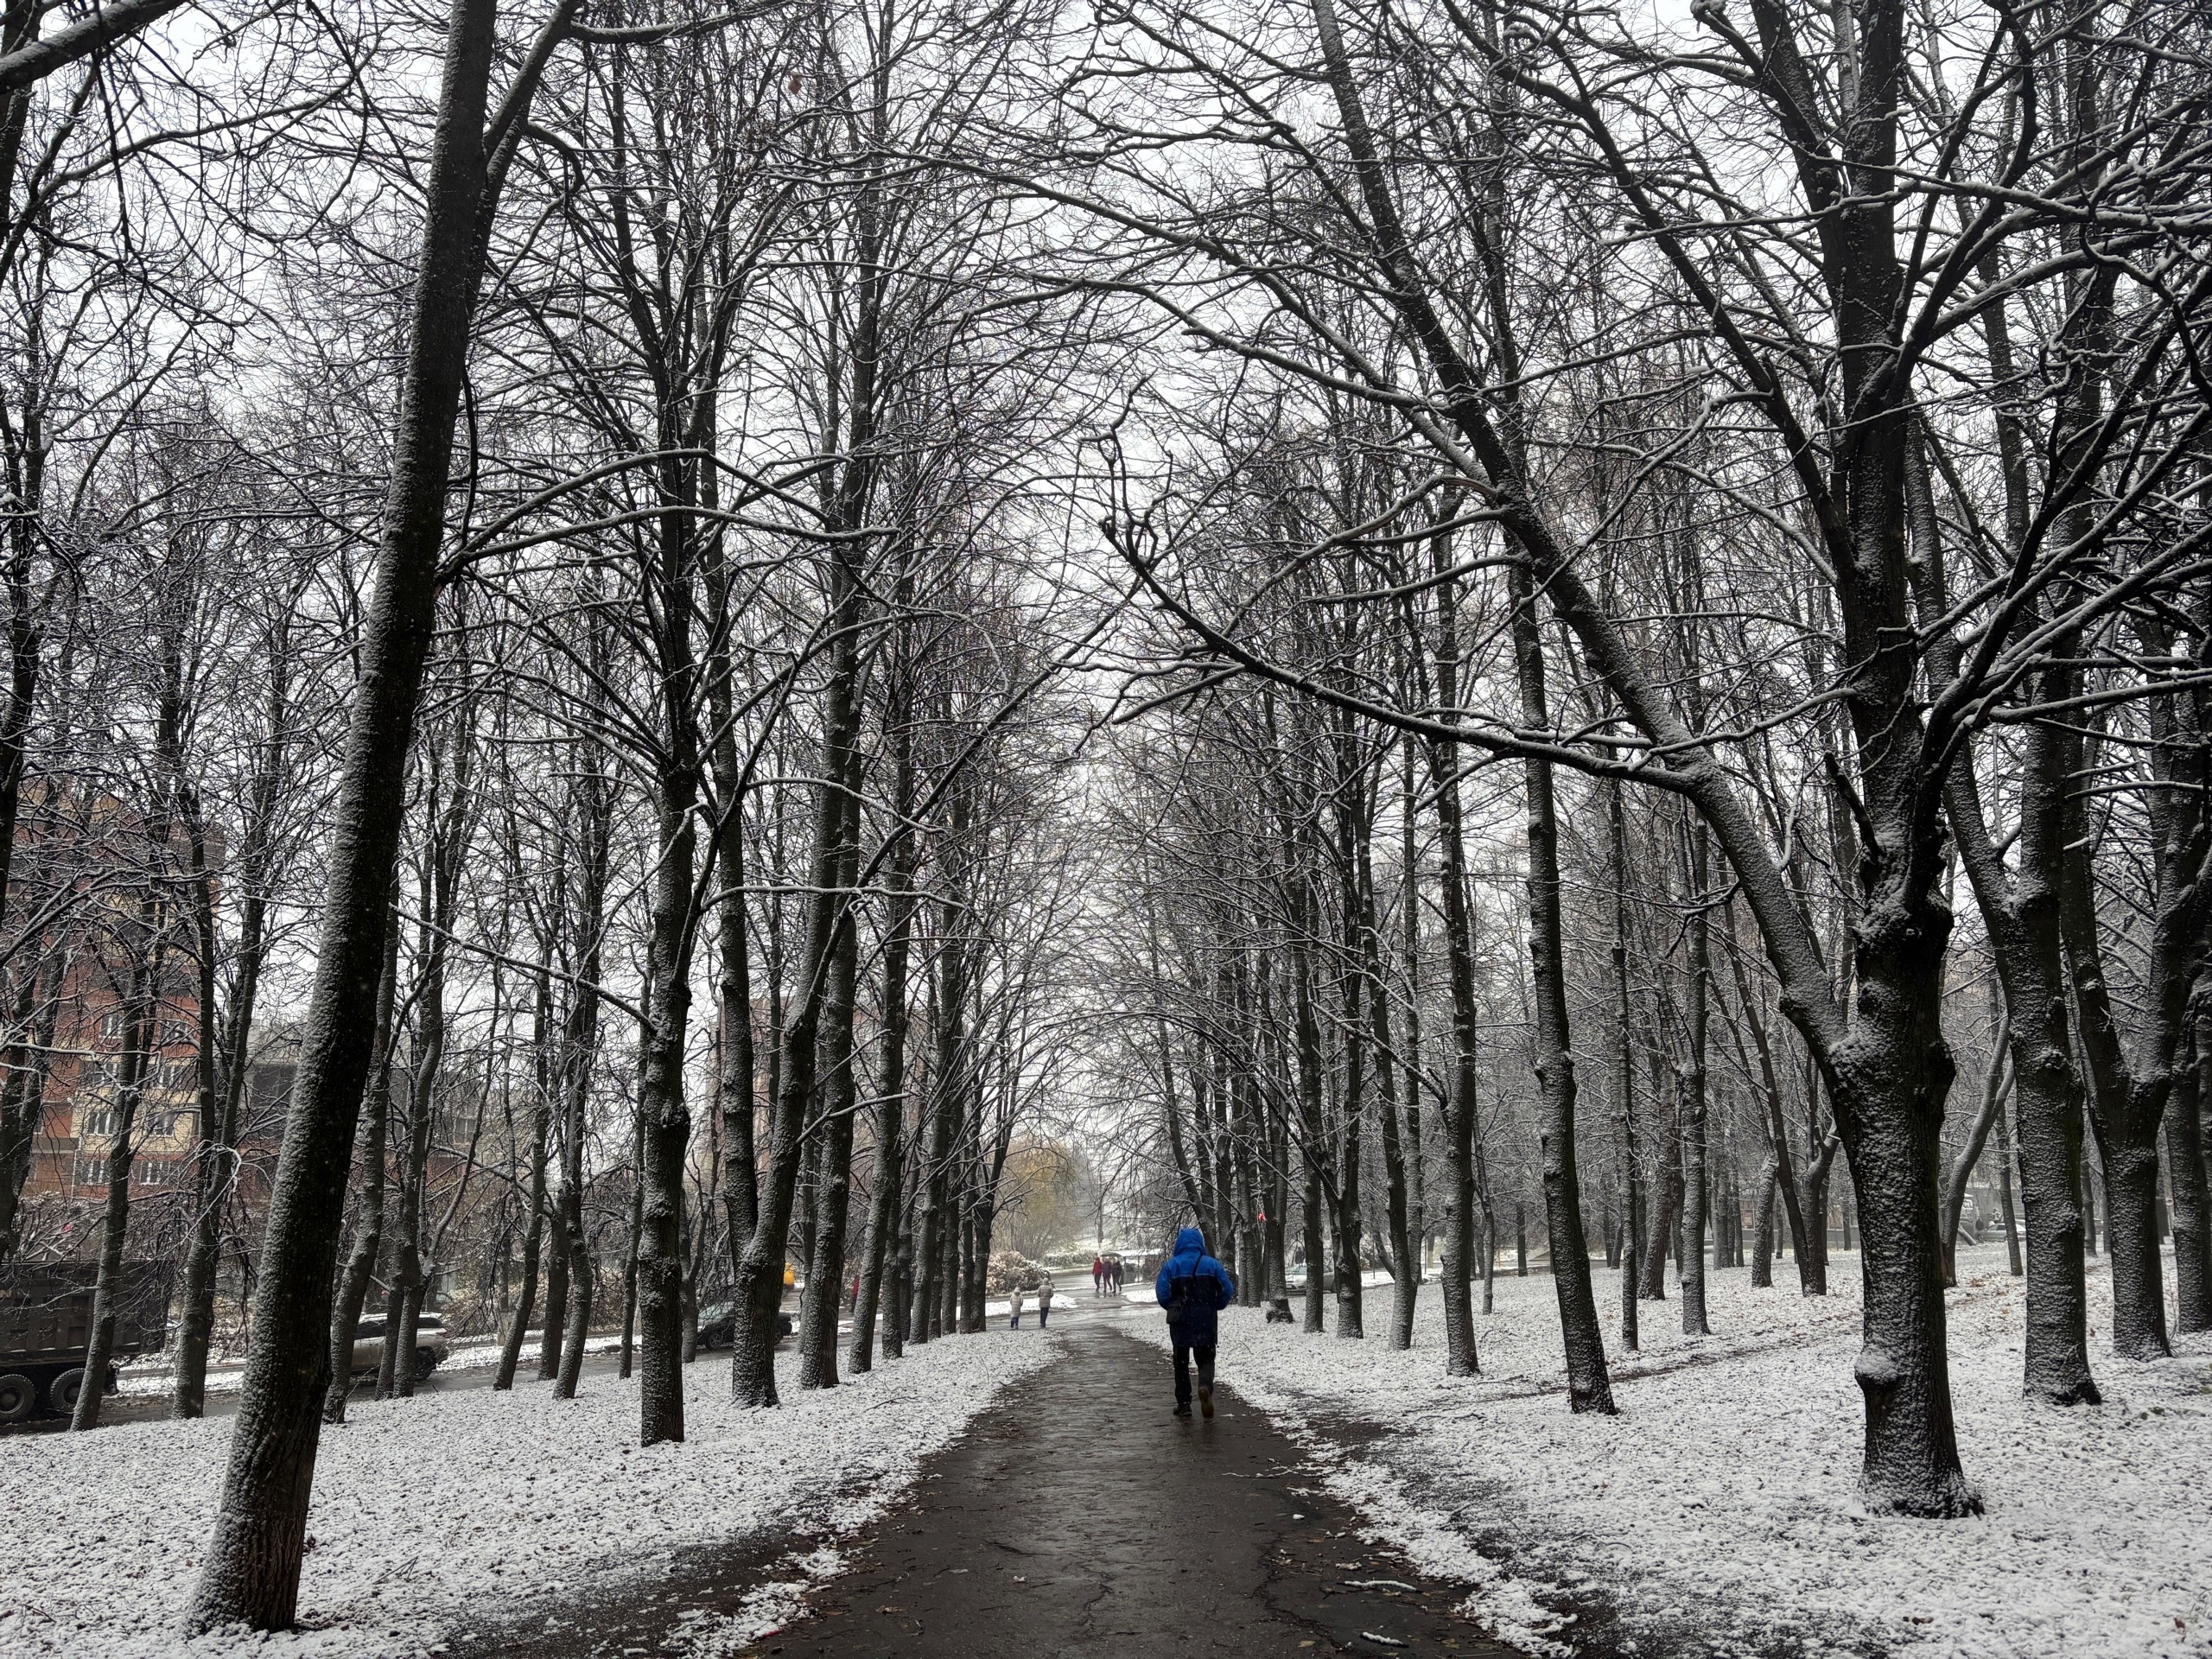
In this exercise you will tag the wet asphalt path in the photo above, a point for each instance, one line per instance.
(1080, 1517)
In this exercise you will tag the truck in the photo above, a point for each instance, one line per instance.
(46, 1324)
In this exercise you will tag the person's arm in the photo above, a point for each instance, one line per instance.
(1160, 1285)
(1226, 1292)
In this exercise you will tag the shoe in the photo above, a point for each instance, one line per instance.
(1205, 1399)
(1184, 1410)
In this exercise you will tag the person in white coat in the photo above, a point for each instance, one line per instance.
(1020, 1302)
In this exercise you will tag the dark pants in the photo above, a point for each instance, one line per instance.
(1185, 1353)
(1043, 1317)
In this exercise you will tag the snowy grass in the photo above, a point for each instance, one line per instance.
(1718, 1512)
(158, 1375)
(435, 1516)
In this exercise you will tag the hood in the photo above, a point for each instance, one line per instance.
(1190, 1241)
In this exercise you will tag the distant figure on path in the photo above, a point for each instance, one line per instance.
(1045, 1302)
(1193, 1287)
(1098, 1276)
(1019, 1304)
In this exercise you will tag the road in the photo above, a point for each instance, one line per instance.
(1078, 1516)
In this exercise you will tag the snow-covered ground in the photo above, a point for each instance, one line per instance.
(155, 1376)
(1718, 1511)
(425, 1507)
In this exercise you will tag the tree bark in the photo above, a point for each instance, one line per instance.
(758, 1280)
(1691, 1253)
(1625, 1078)
(2185, 1172)
(1589, 1385)
(887, 1177)
(533, 1239)
(825, 1283)
(250, 1572)
(368, 1218)
(1955, 1183)
(1883, 1060)
(140, 1005)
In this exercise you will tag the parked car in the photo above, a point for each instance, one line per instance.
(718, 1325)
(46, 1320)
(431, 1348)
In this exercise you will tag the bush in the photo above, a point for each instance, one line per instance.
(1009, 1269)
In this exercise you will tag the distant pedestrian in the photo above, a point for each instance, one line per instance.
(1098, 1276)
(1193, 1287)
(1019, 1304)
(1114, 1274)
(1044, 1303)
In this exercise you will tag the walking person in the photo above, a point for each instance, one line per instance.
(1098, 1276)
(1044, 1303)
(1019, 1304)
(1193, 1287)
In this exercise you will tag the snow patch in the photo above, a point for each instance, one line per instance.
(433, 1517)
(1719, 1512)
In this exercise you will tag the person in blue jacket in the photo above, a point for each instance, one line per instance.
(1193, 1287)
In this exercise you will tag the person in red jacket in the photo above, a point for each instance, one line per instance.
(1098, 1276)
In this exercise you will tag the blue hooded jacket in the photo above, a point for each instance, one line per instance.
(1199, 1328)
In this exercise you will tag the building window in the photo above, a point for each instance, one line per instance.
(96, 1124)
(157, 1172)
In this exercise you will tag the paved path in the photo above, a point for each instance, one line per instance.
(1078, 1517)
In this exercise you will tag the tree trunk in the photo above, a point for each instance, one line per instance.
(115, 1215)
(948, 1035)
(1763, 1233)
(887, 1177)
(555, 1329)
(1955, 1183)
(1691, 1253)
(627, 1361)
(1625, 1076)
(583, 1285)
(1658, 1240)
(757, 1287)
(572, 1285)
(1589, 1386)
(1312, 1142)
(533, 1244)
(250, 1572)
(2185, 1172)
(1461, 1357)
(368, 1220)
(23, 1096)
(825, 1281)
(2004, 1196)
(26, 1072)
(215, 1120)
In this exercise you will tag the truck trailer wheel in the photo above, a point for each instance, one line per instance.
(18, 1395)
(62, 1393)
